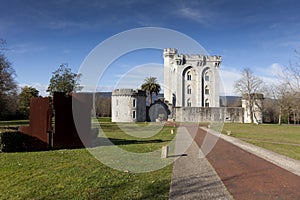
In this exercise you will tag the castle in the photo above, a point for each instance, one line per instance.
(191, 94)
(191, 80)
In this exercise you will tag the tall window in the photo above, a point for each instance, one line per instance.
(133, 114)
(189, 103)
(117, 102)
(206, 76)
(189, 76)
(133, 103)
(206, 90)
(189, 89)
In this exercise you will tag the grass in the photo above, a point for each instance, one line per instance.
(134, 144)
(76, 174)
(284, 139)
(104, 119)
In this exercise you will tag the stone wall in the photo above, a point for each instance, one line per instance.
(198, 114)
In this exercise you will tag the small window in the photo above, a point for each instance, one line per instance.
(117, 113)
(206, 90)
(189, 76)
(134, 103)
(189, 104)
(189, 89)
(133, 114)
(206, 103)
(117, 102)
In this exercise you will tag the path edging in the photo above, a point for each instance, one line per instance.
(282, 161)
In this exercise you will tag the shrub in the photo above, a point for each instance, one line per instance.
(15, 141)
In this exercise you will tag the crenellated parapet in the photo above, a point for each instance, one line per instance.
(128, 92)
(193, 59)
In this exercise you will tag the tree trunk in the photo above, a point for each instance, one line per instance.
(279, 117)
(251, 110)
(150, 96)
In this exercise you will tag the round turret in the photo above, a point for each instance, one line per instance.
(128, 105)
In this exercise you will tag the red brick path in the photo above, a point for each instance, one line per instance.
(247, 176)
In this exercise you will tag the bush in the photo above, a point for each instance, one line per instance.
(15, 141)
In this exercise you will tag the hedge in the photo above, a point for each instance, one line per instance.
(15, 141)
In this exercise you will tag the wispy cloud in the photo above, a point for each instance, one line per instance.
(25, 48)
(196, 12)
(274, 70)
(135, 77)
(228, 76)
(195, 15)
(270, 76)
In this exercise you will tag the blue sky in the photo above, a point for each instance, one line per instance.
(40, 35)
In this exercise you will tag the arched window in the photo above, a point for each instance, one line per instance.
(206, 90)
(188, 76)
(133, 103)
(206, 103)
(189, 89)
(188, 103)
(206, 76)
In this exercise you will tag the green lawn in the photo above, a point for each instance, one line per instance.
(284, 139)
(76, 174)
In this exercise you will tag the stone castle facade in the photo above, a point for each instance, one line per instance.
(191, 94)
(191, 80)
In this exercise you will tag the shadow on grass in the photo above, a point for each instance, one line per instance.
(108, 141)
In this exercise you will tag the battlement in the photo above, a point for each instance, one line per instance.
(174, 52)
(170, 51)
(200, 57)
(128, 92)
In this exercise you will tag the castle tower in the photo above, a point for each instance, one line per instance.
(128, 105)
(191, 80)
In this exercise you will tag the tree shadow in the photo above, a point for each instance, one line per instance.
(101, 141)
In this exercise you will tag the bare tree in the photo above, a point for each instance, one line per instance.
(281, 95)
(286, 93)
(292, 74)
(247, 86)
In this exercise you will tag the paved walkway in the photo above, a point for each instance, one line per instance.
(247, 171)
(193, 177)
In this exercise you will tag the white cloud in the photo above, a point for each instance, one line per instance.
(40, 87)
(276, 69)
(227, 78)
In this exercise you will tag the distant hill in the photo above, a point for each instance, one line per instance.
(103, 94)
(224, 100)
(230, 101)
